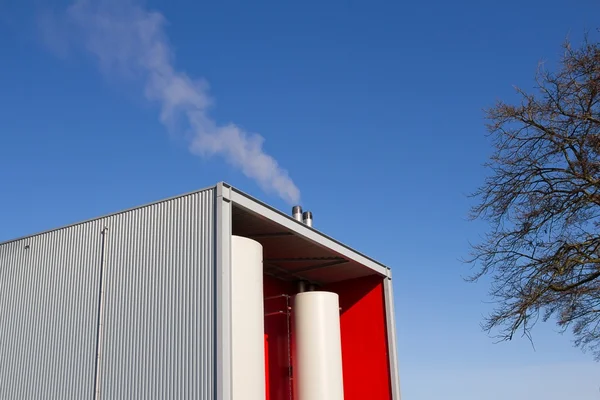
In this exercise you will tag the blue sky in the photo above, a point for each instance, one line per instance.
(374, 109)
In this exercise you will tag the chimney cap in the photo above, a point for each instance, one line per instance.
(307, 218)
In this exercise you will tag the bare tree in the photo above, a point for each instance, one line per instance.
(542, 200)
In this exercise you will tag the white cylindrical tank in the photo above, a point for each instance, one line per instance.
(317, 347)
(247, 325)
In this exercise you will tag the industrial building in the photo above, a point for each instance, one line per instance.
(208, 295)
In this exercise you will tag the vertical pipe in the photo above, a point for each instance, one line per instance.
(307, 218)
(297, 213)
(318, 348)
(100, 324)
(247, 322)
(301, 286)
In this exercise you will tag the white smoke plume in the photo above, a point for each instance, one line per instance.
(131, 41)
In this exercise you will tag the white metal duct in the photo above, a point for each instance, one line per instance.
(248, 351)
(318, 348)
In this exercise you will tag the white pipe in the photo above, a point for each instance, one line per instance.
(318, 349)
(100, 327)
(247, 325)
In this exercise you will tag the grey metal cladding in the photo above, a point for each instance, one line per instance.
(48, 314)
(159, 306)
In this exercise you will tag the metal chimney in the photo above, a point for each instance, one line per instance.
(307, 218)
(302, 286)
(297, 213)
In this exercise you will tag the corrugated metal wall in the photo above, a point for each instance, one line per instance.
(158, 340)
(158, 337)
(48, 314)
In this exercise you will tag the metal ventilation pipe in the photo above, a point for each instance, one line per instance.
(301, 286)
(307, 218)
(297, 213)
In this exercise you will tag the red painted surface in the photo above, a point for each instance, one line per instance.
(364, 339)
(267, 366)
(276, 347)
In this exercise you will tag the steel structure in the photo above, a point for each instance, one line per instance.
(137, 304)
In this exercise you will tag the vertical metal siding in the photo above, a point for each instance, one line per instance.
(159, 316)
(159, 306)
(48, 287)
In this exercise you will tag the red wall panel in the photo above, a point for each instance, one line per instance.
(268, 394)
(276, 345)
(364, 339)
